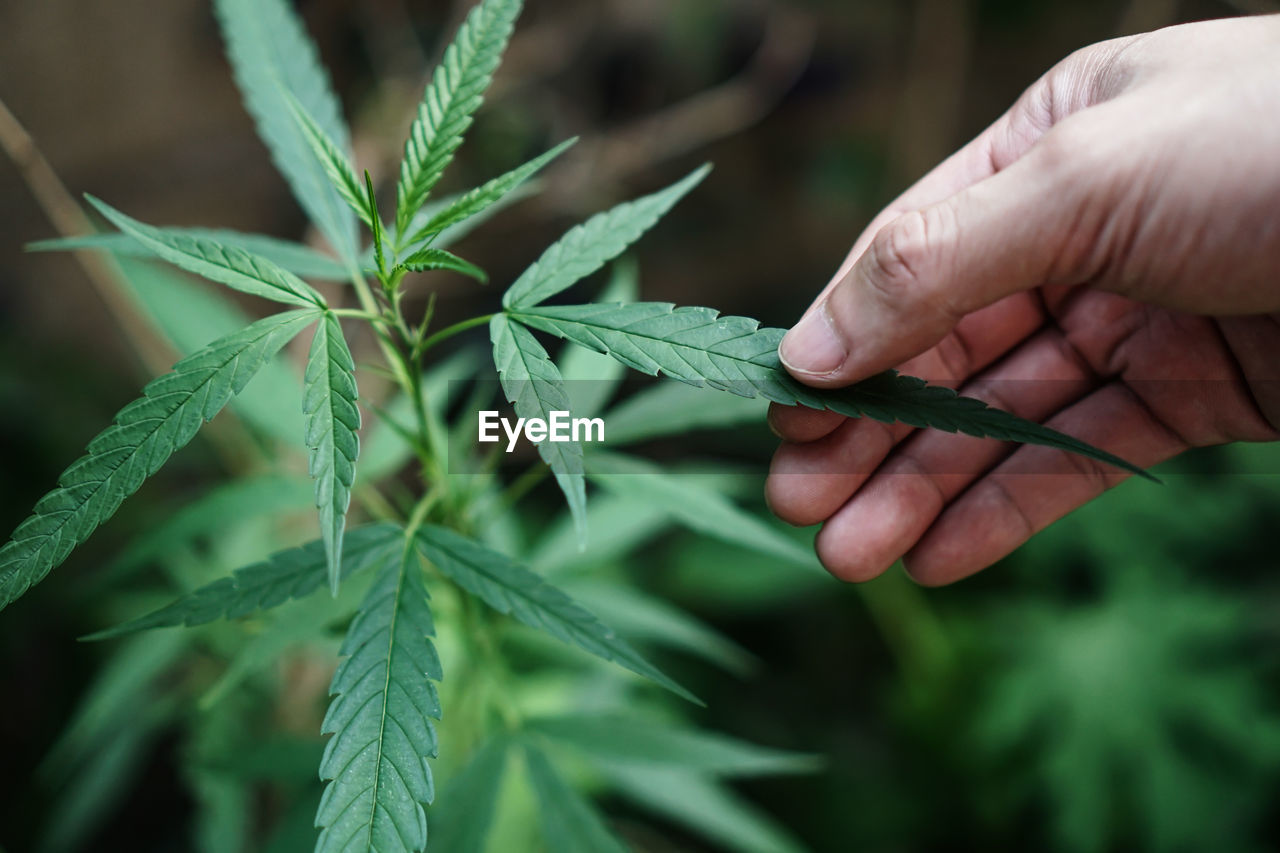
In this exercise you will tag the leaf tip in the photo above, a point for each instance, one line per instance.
(333, 560)
(99, 205)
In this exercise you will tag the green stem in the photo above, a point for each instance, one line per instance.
(419, 337)
(405, 368)
(401, 326)
(430, 441)
(363, 293)
(489, 663)
(357, 314)
(370, 306)
(377, 505)
(419, 514)
(455, 329)
(521, 487)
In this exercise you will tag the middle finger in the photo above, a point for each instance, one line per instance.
(895, 507)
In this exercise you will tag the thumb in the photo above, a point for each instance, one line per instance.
(927, 269)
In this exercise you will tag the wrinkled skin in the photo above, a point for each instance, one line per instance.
(1116, 238)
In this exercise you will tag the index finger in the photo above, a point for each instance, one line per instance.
(997, 147)
(977, 341)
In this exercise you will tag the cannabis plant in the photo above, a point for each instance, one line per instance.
(432, 556)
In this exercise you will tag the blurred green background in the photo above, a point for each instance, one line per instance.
(1111, 686)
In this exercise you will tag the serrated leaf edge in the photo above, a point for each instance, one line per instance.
(90, 507)
(745, 362)
(332, 418)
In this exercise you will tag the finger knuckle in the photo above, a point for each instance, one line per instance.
(910, 261)
(1117, 64)
(1066, 151)
(1094, 74)
(900, 253)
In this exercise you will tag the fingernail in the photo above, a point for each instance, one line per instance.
(813, 347)
(773, 428)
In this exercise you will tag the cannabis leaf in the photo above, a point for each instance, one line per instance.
(455, 93)
(224, 800)
(191, 314)
(532, 384)
(459, 230)
(631, 739)
(136, 667)
(588, 247)
(619, 526)
(271, 54)
(509, 587)
(674, 408)
(375, 225)
(481, 198)
(335, 161)
(118, 719)
(702, 348)
(144, 435)
(590, 378)
(569, 822)
(329, 403)
(694, 505)
(1136, 709)
(380, 719)
(389, 444)
(221, 508)
(638, 616)
(464, 810)
(292, 625)
(296, 258)
(98, 785)
(428, 259)
(235, 268)
(704, 805)
(282, 577)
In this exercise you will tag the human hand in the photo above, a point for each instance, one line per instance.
(1106, 255)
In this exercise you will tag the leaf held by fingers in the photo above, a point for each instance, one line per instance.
(703, 348)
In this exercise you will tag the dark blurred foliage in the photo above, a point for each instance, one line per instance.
(1113, 685)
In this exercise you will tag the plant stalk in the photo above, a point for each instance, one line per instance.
(455, 329)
